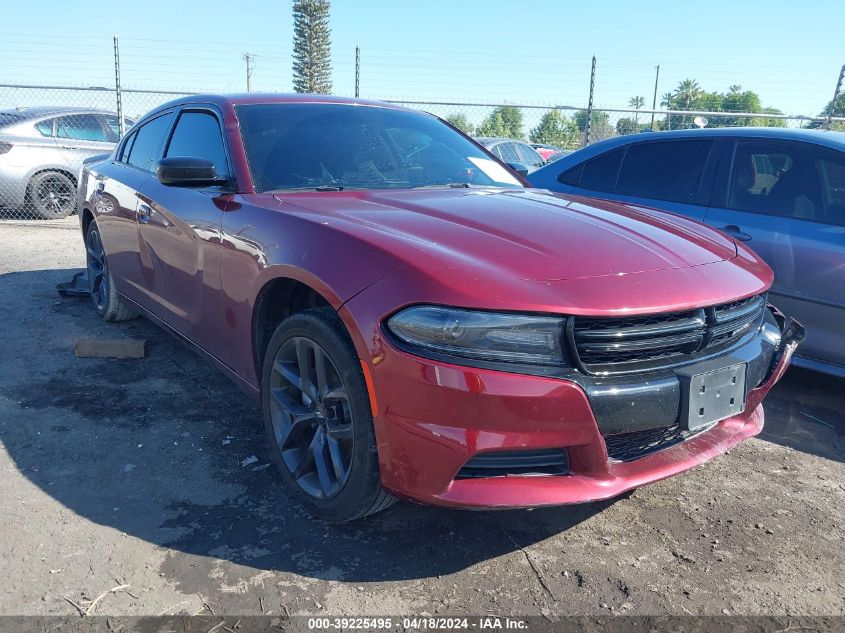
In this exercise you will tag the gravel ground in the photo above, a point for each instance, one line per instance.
(131, 473)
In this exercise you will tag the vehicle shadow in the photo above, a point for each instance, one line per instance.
(805, 411)
(165, 449)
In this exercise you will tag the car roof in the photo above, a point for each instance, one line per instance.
(222, 100)
(35, 112)
(835, 140)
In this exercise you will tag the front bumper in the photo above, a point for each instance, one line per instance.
(433, 417)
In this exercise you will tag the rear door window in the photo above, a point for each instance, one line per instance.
(507, 151)
(833, 183)
(149, 142)
(81, 127)
(600, 173)
(669, 170)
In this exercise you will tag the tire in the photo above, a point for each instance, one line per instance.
(51, 195)
(321, 420)
(101, 289)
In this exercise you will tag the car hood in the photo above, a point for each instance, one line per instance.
(525, 234)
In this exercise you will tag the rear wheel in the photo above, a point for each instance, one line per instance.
(51, 195)
(106, 301)
(318, 418)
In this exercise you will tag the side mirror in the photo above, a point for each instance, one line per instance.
(187, 171)
(519, 168)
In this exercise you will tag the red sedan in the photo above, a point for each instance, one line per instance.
(414, 321)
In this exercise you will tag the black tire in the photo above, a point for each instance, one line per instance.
(51, 195)
(101, 289)
(334, 428)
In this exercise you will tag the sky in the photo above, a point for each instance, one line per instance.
(536, 53)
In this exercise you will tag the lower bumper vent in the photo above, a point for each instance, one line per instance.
(625, 447)
(503, 463)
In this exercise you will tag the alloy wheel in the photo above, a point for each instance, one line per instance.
(311, 417)
(97, 270)
(55, 195)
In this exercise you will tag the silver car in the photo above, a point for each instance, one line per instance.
(41, 154)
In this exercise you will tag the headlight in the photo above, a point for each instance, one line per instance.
(490, 336)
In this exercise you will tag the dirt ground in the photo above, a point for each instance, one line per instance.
(133, 473)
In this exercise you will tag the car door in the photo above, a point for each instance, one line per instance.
(116, 205)
(79, 136)
(672, 175)
(786, 200)
(180, 233)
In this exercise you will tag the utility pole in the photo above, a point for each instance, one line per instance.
(357, 72)
(590, 103)
(835, 97)
(654, 100)
(249, 58)
(118, 95)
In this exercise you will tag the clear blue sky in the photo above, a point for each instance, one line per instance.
(519, 52)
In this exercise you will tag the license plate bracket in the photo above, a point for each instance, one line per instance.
(712, 396)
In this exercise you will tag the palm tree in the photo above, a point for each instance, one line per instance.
(668, 101)
(735, 89)
(687, 91)
(636, 103)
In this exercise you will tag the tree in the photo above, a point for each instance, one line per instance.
(627, 125)
(832, 109)
(600, 127)
(555, 128)
(312, 71)
(636, 103)
(503, 121)
(687, 91)
(460, 121)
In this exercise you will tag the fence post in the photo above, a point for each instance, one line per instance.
(835, 97)
(590, 103)
(357, 71)
(117, 92)
(654, 99)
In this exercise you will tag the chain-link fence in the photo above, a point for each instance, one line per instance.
(47, 131)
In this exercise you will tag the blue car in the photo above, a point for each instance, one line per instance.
(782, 191)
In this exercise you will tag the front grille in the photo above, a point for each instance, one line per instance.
(551, 461)
(625, 447)
(618, 345)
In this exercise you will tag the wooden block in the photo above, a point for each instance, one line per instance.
(110, 348)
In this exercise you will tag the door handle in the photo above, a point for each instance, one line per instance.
(69, 147)
(144, 213)
(735, 232)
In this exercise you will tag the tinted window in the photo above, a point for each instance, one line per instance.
(664, 171)
(571, 176)
(198, 134)
(833, 184)
(600, 173)
(528, 156)
(775, 179)
(80, 127)
(124, 149)
(45, 128)
(304, 146)
(149, 141)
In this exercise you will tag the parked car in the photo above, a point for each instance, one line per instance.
(780, 191)
(41, 153)
(414, 322)
(512, 151)
(545, 150)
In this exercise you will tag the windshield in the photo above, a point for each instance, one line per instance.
(339, 146)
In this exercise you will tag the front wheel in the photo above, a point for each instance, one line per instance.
(318, 418)
(106, 301)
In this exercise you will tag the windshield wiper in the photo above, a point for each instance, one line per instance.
(329, 188)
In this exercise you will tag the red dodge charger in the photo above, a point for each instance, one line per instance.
(417, 323)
